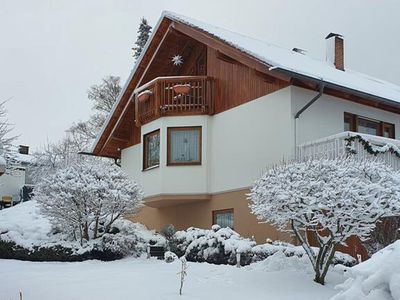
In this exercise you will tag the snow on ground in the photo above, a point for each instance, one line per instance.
(375, 279)
(275, 278)
(24, 225)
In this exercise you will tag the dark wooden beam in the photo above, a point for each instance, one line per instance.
(228, 50)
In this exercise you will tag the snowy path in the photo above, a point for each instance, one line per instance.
(151, 279)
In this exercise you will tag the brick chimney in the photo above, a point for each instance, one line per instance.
(335, 50)
(23, 149)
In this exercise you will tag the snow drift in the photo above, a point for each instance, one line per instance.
(376, 278)
(24, 226)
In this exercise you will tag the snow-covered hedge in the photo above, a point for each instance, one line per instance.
(26, 234)
(376, 278)
(220, 245)
(130, 240)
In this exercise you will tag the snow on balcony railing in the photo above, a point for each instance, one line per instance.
(353, 143)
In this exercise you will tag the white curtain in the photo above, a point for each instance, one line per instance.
(185, 145)
(224, 219)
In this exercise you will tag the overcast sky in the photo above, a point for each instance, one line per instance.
(52, 51)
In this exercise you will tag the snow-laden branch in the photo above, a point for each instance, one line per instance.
(330, 200)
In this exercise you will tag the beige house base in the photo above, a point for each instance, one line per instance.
(186, 211)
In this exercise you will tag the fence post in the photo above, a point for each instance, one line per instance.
(238, 256)
(148, 251)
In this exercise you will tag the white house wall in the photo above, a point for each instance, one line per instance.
(171, 179)
(236, 145)
(326, 116)
(246, 139)
(10, 185)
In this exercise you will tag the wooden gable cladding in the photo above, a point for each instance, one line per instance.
(239, 77)
(176, 43)
(106, 144)
(237, 83)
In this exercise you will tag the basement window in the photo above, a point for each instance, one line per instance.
(184, 146)
(151, 150)
(223, 217)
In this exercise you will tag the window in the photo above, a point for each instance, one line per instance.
(223, 218)
(349, 122)
(369, 126)
(388, 130)
(151, 149)
(184, 146)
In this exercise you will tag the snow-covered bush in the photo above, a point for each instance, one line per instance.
(28, 235)
(85, 199)
(168, 232)
(131, 239)
(263, 251)
(218, 245)
(376, 278)
(170, 256)
(331, 199)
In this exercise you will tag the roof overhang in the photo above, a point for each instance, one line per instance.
(167, 22)
(375, 101)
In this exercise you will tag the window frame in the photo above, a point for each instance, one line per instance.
(354, 122)
(145, 148)
(169, 152)
(221, 211)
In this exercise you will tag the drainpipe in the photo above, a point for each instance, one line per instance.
(303, 109)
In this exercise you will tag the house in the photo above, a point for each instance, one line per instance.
(16, 184)
(206, 110)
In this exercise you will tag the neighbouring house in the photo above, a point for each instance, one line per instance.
(206, 110)
(16, 184)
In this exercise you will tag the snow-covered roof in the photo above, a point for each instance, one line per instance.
(285, 59)
(277, 58)
(24, 158)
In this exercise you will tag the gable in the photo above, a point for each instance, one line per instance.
(246, 75)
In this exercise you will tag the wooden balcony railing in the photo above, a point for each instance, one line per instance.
(170, 96)
(353, 143)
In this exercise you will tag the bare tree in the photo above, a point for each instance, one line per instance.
(80, 136)
(7, 150)
(103, 96)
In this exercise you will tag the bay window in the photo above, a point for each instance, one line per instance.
(151, 149)
(184, 146)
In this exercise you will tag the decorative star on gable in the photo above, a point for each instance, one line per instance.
(177, 60)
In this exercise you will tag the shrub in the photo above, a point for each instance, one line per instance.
(220, 245)
(170, 256)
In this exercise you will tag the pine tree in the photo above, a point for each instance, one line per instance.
(143, 35)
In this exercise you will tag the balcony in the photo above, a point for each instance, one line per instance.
(174, 96)
(353, 143)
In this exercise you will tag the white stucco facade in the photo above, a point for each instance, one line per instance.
(11, 184)
(238, 144)
(168, 179)
(326, 116)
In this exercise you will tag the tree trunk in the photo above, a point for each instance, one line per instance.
(86, 231)
(96, 228)
(324, 262)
